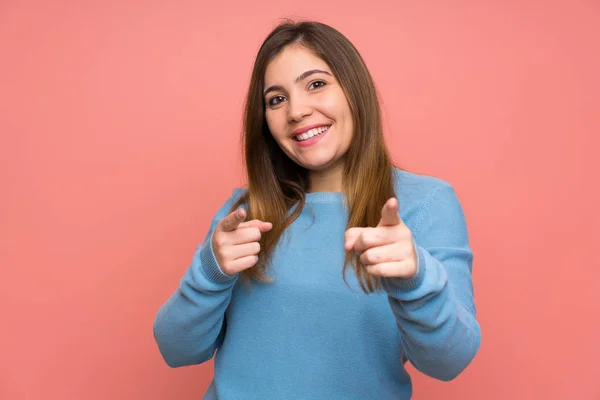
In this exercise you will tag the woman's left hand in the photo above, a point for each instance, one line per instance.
(387, 250)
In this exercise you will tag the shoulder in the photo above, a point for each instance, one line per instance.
(228, 203)
(418, 188)
(423, 196)
(237, 193)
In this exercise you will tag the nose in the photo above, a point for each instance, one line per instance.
(297, 110)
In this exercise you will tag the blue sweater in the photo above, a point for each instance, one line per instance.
(308, 335)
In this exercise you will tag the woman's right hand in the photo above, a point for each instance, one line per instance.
(235, 243)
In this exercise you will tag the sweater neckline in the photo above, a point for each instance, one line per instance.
(324, 196)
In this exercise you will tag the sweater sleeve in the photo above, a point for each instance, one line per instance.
(190, 326)
(435, 310)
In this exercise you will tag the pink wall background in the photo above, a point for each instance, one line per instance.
(119, 128)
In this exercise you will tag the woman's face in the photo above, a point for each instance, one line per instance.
(306, 109)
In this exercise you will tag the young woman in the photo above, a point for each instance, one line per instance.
(333, 267)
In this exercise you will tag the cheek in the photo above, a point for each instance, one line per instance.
(330, 107)
(269, 119)
(349, 120)
(337, 106)
(274, 124)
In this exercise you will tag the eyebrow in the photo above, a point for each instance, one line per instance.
(302, 77)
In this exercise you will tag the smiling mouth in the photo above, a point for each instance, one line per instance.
(311, 133)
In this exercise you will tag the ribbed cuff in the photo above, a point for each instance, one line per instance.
(392, 284)
(210, 266)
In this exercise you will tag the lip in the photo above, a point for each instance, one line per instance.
(313, 140)
(307, 128)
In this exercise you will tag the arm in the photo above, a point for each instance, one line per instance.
(189, 327)
(434, 309)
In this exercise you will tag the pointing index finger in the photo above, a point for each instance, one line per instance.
(389, 213)
(231, 221)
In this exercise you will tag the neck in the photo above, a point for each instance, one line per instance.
(327, 180)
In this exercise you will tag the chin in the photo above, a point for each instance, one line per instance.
(318, 165)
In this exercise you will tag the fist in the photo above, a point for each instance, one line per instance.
(386, 250)
(236, 243)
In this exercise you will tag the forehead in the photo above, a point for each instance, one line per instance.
(291, 63)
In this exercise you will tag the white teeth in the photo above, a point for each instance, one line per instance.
(311, 133)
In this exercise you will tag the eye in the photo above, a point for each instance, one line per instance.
(317, 84)
(276, 100)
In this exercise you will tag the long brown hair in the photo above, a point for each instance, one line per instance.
(276, 183)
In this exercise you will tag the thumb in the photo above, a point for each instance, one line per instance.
(389, 213)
